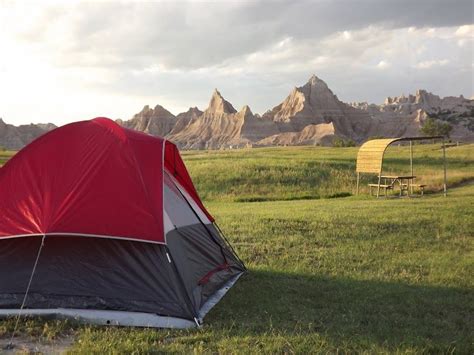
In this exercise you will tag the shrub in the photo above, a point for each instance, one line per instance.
(433, 127)
(340, 142)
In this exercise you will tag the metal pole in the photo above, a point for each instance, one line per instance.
(358, 177)
(411, 167)
(444, 164)
(378, 187)
(380, 176)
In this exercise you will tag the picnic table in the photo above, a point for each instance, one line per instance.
(370, 161)
(405, 182)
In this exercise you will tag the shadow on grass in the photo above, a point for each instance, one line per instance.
(345, 310)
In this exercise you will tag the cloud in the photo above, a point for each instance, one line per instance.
(383, 64)
(465, 31)
(427, 64)
(191, 35)
(264, 77)
(62, 55)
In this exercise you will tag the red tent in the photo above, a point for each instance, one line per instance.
(158, 253)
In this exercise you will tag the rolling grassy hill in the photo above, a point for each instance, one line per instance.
(352, 274)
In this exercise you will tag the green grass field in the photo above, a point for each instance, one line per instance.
(289, 173)
(5, 155)
(352, 274)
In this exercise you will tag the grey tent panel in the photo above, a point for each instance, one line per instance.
(117, 318)
(217, 296)
(203, 261)
(117, 275)
(91, 273)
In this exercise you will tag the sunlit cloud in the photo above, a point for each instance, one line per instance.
(427, 64)
(383, 64)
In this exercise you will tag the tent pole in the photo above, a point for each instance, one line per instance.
(10, 344)
(444, 166)
(230, 245)
(411, 166)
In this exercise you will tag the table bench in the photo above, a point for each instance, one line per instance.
(404, 182)
(385, 187)
(421, 187)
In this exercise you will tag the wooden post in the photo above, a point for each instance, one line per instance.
(358, 178)
(411, 168)
(444, 165)
(378, 187)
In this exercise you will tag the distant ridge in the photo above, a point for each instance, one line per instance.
(157, 121)
(310, 114)
(16, 137)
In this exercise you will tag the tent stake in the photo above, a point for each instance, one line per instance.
(10, 344)
(197, 322)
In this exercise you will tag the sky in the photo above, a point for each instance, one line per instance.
(63, 61)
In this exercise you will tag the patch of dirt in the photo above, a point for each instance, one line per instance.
(30, 345)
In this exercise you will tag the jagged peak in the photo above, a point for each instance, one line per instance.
(315, 81)
(148, 114)
(217, 95)
(246, 110)
(156, 109)
(421, 92)
(194, 109)
(219, 105)
(161, 109)
(314, 86)
(421, 96)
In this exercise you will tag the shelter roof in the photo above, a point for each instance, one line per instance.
(370, 155)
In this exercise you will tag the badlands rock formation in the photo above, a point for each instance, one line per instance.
(312, 134)
(185, 118)
(13, 137)
(404, 115)
(310, 114)
(313, 104)
(157, 121)
(220, 125)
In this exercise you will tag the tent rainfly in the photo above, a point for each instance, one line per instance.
(103, 224)
(371, 153)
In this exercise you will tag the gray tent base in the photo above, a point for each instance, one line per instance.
(123, 318)
(99, 317)
(217, 296)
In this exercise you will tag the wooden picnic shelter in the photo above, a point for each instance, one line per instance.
(370, 161)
